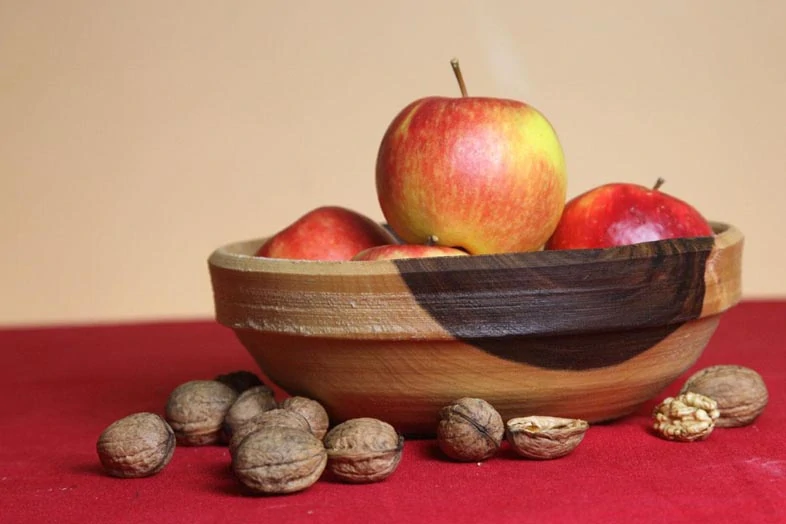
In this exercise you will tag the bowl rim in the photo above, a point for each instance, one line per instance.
(665, 282)
(238, 256)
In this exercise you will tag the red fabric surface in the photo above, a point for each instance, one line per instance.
(62, 386)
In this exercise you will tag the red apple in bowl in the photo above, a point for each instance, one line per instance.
(392, 252)
(483, 174)
(620, 214)
(326, 233)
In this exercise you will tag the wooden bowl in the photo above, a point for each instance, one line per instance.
(589, 334)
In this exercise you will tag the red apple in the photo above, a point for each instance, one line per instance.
(326, 233)
(621, 214)
(390, 252)
(483, 174)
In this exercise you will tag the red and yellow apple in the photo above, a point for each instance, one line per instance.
(483, 174)
(619, 214)
(326, 233)
(392, 252)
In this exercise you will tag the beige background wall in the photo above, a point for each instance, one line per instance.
(135, 137)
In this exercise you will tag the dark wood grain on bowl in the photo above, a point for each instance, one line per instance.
(576, 352)
(650, 284)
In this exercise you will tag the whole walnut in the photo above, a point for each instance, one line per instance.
(250, 403)
(313, 412)
(278, 459)
(282, 418)
(138, 445)
(363, 450)
(470, 429)
(240, 380)
(739, 391)
(196, 411)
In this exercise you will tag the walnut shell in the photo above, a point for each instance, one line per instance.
(138, 445)
(470, 429)
(539, 437)
(739, 391)
(196, 411)
(277, 460)
(363, 450)
(241, 380)
(250, 403)
(278, 417)
(313, 412)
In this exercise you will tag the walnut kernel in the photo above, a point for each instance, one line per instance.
(739, 391)
(363, 450)
(540, 437)
(196, 411)
(686, 417)
(277, 460)
(138, 445)
(470, 429)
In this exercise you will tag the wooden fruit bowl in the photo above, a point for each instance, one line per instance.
(589, 334)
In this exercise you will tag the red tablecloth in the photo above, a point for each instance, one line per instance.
(61, 387)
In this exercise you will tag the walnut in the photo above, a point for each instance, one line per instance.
(739, 391)
(363, 450)
(196, 411)
(251, 402)
(275, 417)
(277, 460)
(240, 380)
(539, 437)
(312, 411)
(470, 429)
(686, 417)
(138, 445)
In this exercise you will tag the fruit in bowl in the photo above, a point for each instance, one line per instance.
(483, 174)
(618, 214)
(326, 233)
(395, 251)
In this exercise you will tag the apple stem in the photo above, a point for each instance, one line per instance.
(432, 240)
(457, 71)
(659, 182)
